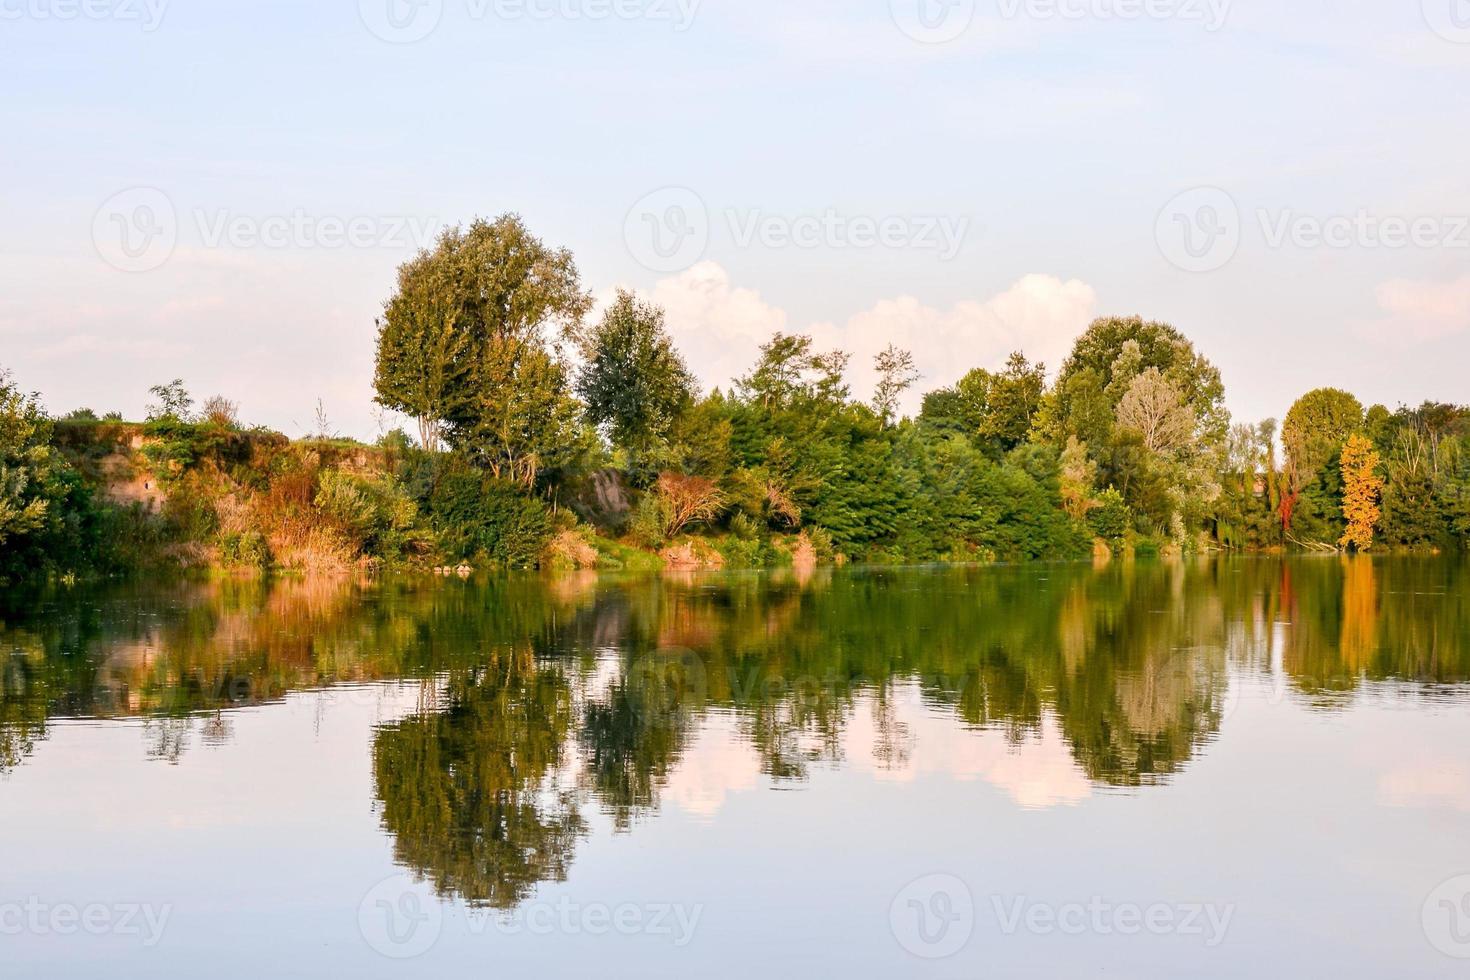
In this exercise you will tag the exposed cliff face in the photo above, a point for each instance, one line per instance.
(603, 500)
(124, 481)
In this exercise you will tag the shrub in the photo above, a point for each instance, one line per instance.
(650, 522)
(248, 549)
(395, 441)
(189, 513)
(219, 410)
(173, 448)
(568, 551)
(688, 500)
(1111, 518)
(375, 514)
(740, 552)
(481, 517)
(745, 527)
(821, 542)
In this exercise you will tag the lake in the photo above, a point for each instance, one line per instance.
(1194, 768)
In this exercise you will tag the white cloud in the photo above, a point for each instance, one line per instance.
(1037, 773)
(1038, 314)
(718, 765)
(1422, 309)
(719, 327)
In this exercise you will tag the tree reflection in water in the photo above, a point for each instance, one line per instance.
(470, 787)
(547, 700)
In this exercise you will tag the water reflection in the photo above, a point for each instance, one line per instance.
(469, 783)
(544, 704)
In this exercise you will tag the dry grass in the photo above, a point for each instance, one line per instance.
(570, 550)
(298, 537)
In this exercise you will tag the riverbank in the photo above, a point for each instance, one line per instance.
(211, 496)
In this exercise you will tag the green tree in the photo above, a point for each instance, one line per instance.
(520, 419)
(48, 519)
(1112, 353)
(463, 345)
(634, 384)
(1152, 409)
(425, 346)
(896, 374)
(995, 409)
(173, 402)
(1314, 432)
(1112, 518)
(790, 373)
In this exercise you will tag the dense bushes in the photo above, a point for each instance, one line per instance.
(187, 492)
(375, 513)
(49, 522)
(477, 517)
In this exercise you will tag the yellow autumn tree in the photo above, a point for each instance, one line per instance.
(1361, 487)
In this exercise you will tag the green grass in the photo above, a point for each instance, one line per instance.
(624, 557)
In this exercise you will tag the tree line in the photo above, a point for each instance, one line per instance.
(487, 344)
(546, 436)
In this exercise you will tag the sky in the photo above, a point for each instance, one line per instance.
(221, 191)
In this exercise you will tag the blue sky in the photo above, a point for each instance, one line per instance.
(1031, 164)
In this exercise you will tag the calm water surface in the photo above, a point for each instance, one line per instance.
(1154, 770)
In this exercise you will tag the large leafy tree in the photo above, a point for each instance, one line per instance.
(1313, 434)
(1112, 353)
(797, 435)
(519, 419)
(1315, 430)
(425, 346)
(1152, 411)
(1154, 408)
(634, 383)
(463, 345)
